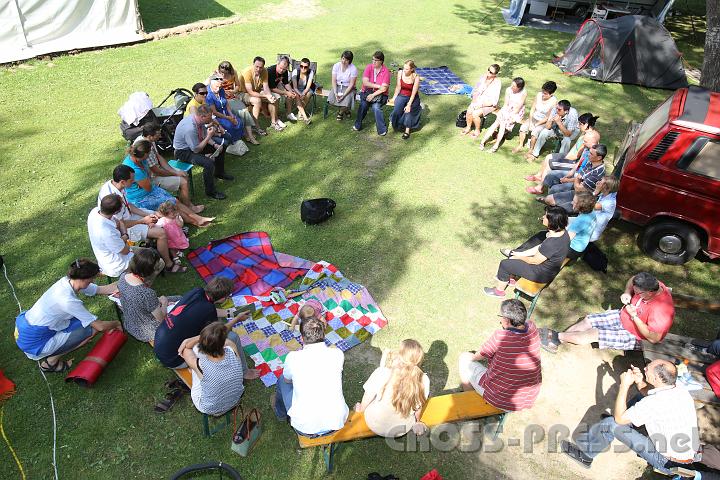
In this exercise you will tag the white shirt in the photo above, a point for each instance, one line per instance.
(344, 78)
(318, 404)
(107, 244)
(668, 414)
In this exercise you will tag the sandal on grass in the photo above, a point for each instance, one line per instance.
(176, 268)
(60, 366)
(176, 384)
(171, 398)
(339, 116)
(549, 340)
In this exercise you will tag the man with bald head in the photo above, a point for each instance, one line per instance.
(665, 410)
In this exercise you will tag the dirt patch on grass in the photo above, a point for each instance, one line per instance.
(295, 9)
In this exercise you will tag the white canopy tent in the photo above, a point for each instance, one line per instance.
(36, 27)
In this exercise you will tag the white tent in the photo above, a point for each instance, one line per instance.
(35, 27)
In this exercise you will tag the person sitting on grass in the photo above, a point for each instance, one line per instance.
(485, 98)
(667, 412)
(108, 238)
(581, 227)
(406, 108)
(343, 79)
(559, 165)
(374, 93)
(161, 173)
(218, 365)
(512, 112)
(581, 179)
(58, 322)
(511, 381)
(142, 309)
(396, 393)
(647, 314)
(196, 141)
(309, 391)
(562, 123)
(539, 259)
(544, 102)
(148, 196)
(137, 223)
(303, 84)
(311, 309)
(606, 193)
(172, 223)
(258, 94)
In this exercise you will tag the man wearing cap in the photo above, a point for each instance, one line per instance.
(511, 381)
(582, 178)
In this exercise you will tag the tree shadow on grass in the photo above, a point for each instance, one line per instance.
(157, 14)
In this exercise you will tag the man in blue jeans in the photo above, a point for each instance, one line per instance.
(374, 93)
(310, 389)
(666, 411)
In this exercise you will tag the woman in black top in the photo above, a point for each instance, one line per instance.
(540, 258)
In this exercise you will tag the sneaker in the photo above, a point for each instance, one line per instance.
(572, 451)
(355, 129)
(280, 122)
(383, 133)
(292, 117)
(492, 292)
(506, 252)
(277, 126)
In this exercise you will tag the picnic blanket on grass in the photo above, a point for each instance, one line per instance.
(352, 316)
(248, 259)
(438, 80)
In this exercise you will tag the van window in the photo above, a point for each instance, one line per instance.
(703, 158)
(653, 123)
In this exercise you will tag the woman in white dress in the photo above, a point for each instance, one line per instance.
(512, 112)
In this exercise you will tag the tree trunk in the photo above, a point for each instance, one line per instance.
(710, 78)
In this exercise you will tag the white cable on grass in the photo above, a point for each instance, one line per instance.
(52, 401)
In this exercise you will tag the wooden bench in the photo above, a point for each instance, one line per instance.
(673, 348)
(448, 408)
(532, 290)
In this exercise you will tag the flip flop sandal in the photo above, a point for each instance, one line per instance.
(176, 384)
(169, 401)
(176, 268)
(549, 340)
(60, 367)
(339, 116)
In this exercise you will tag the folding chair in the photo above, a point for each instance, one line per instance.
(294, 65)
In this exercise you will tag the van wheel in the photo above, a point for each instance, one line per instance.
(672, 243)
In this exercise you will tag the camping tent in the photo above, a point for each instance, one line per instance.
(35, 27)
(632, 49)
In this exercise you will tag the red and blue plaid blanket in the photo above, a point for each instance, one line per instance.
(248, 259)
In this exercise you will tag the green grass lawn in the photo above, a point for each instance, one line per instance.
(418, 222)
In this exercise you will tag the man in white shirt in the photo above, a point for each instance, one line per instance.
(310, 388)
(108, 242)
(667, 411)
(136, 222)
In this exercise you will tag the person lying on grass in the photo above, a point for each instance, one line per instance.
(539, 259)
(396, 392)
(311, 309)
(58, 322)
(218, 366)
(647, 314)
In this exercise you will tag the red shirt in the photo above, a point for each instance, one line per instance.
(383, 77)
(657, 313)
(512, 381)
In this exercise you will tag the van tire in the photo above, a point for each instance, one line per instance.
(687, 235)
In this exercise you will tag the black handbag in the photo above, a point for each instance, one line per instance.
(461, 121)
(316, 210)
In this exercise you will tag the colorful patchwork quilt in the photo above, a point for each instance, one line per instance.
(441, 81)
(351, 313)
(248, 259)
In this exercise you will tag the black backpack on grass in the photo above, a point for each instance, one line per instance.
(461, 121)
(316, 210)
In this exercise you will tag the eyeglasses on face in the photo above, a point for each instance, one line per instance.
(304, 67)
(202, 93)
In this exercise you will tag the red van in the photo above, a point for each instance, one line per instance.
(669, 170)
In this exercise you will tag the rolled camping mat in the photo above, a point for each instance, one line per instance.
(89, 369)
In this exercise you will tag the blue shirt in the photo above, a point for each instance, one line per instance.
(583, 226)
(135, 192)
(604, 215)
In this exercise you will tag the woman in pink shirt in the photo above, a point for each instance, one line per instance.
(374, 93)
(485, 98)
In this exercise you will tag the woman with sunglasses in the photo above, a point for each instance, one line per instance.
(303, 84)
(485, 97)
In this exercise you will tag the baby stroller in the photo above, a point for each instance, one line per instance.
(138, 111)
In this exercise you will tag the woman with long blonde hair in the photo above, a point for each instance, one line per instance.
(396, 392)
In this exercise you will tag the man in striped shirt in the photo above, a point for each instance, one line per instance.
(511, 381)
